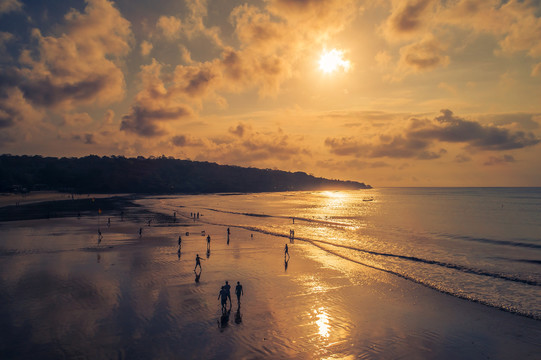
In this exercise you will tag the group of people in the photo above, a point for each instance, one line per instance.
(225, 293)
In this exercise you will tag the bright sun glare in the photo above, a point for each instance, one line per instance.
(331, 61)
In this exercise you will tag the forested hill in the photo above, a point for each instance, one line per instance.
(94, 174)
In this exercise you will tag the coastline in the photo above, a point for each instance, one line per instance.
(132, 297)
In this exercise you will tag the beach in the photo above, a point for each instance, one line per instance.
(64, 294)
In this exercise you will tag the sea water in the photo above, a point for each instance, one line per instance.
(479, 244)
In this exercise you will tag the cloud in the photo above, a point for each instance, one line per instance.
(426, 54)
(421, 135)
(77, 67)
(87, 139)
(154, 105)
(187, 141)
(240, 129)
(462, 158)
(536, 70)
(407, 18)
(146, 47)
(329, 16)
(253, 147)
(77, 119)
(169, 27)
(7, 6)
(5, 37)
(499, 160)
(449, 128)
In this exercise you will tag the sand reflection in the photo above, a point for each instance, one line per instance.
(322, 322)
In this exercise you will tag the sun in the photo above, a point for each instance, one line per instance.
(333, 60)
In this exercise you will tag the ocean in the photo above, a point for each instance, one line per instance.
(478, 244)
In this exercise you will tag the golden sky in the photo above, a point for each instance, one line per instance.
(388, 92)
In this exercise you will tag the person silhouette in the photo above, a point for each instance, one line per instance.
(286, 252)
(222, 295)
(179, 243)
(238, 292)
(197, 262)
(227, 288)
(140, 231)
(208, 242)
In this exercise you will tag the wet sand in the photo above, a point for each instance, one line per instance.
(63, 295)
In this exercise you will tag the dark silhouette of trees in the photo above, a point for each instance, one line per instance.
(156, 175)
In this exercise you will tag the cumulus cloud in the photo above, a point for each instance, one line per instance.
(240, 129)
(154, 105)
(7, 6)
(169, 27)
(187, 141)
(146, 48)
(315, 15)
(421, 135)
(77, 67)
(253, 147)
(407, 18)
(77, 119)
(426, 54)
(449, 128)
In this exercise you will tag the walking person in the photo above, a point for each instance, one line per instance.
(227, 288)
(179, 243)
(197, 262)
(208, 243)
(222, 295)
(238, 292)
(286, 252)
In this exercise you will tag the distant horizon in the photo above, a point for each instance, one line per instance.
(293, 171)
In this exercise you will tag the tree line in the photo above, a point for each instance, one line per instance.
(161, 175)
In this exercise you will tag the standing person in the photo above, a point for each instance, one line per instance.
(286, 252)
(197, 263)
(208, 242)
(179, 243)
(140, 231)
(227, 289)
(238, 292)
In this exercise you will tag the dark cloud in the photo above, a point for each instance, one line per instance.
(427, 54)
(46, 93)
(450, 128)
(410, 17)
(145, 122)
(422, 134)
(86, 138)
(239, 130)
(499, 160)
(186, 140)
(461, 158)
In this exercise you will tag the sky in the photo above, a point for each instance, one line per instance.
(387, 92)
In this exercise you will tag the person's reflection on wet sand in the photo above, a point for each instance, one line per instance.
(197, 275)
(208, 253)
(286, 262)
(224, 319)
(238, 316)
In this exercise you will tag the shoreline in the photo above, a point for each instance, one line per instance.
(135, 297)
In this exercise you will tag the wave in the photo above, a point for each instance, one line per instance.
(316, 221)
(517, 243)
